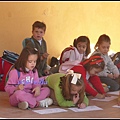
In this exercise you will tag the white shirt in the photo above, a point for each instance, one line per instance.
(87, 76)
(40, 41)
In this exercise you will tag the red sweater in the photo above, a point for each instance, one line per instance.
(94, 80)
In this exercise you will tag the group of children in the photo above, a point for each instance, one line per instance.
(78, 75)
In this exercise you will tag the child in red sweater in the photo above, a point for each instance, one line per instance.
(89, 69)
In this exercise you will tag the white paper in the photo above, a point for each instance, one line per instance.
(114, 93)
(116, 106)
(48, 111)
(106, 98)
(88, 108)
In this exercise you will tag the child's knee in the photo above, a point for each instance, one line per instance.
(47, 89)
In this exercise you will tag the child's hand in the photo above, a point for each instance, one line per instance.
(45, 55)
(82, 105)
(111, 76)
(107, 95)
(46, 72)
(36, 91)
(116, 76)
(100, 96)
(20, 87)
(75, 98)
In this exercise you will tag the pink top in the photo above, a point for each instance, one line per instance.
(30, 81)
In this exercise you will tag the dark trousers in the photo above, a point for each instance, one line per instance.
(113, 83)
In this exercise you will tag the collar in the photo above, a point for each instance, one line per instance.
(27, 69)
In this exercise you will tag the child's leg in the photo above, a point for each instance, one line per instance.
(114, 86)
(44, 93)
(44, 100)
(95, 81)
(118, 80)
(22, 96)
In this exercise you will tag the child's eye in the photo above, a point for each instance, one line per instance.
(72, 89)
(34, 61)
(29, 61)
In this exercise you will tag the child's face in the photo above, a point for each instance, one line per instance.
(38, 33)
(94, 71)
(104, 47)
(31, 62)
(75, 89)
(82, 46)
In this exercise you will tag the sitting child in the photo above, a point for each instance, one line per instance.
(25, 91)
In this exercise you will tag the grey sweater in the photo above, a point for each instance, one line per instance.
(109, 65)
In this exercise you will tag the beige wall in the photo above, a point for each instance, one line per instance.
(65, 21)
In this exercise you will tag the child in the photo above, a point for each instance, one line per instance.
(67, 90)
(26, 91)
(75, 54)
(38, 31)
(89, 69)
(110, 74)
(116, 59)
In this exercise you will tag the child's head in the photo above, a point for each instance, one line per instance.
(72, 84)
(94, 64)
(82, 43)
(38, 30)
(103, 44)
(28, 59)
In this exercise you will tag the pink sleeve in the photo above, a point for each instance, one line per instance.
(13, 79)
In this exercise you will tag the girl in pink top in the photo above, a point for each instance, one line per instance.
(25, 91)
